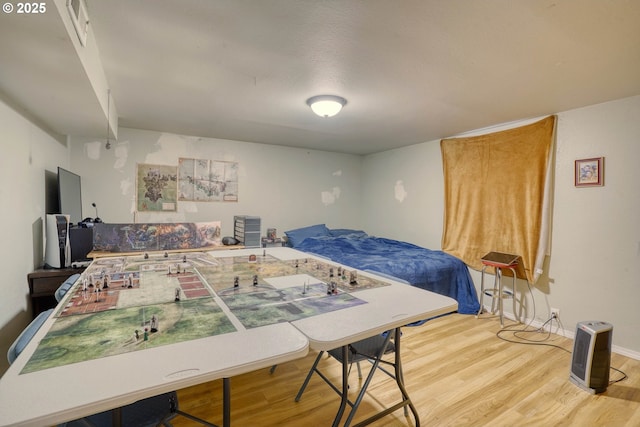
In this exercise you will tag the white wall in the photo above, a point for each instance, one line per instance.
(593, 272)
(286, 187)
(27, 152)
(403, 194)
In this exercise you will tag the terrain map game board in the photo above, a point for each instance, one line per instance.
(130, 303)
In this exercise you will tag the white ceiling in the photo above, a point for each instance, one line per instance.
(411, 70)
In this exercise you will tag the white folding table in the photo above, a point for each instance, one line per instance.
(388, 308)
(63, 393)
(68, 392)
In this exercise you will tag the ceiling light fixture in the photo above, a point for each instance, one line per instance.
(326, 105)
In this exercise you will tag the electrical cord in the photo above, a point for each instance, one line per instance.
(527, 341)
(518, 333)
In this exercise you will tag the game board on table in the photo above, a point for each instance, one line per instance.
(129, 303)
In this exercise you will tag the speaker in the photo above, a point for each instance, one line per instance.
(591, 359)
(57, 248)
(81, 240)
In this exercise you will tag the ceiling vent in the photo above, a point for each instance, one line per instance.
(78, 12)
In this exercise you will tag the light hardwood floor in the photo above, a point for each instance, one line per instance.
(457, 372)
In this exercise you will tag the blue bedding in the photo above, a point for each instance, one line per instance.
(435, 271)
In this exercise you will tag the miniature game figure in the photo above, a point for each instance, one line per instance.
(184, 258)
(146, 255)
(331, 272)
(154, 323)
(236, 282)
(332, 288)
(353, 277)
(107, 281)
(296, 264)
(255, 280)
(146, 334)
(177, 294)
(184, 266)
(129, 281)
(166, 255)
(264, 252)
(137, 333)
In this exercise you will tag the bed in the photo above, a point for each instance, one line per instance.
(428, 269)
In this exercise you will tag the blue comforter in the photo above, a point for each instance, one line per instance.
(435, 271)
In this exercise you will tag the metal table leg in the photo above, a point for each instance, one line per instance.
(345, 385)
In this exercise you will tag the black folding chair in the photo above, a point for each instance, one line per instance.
(371, 350)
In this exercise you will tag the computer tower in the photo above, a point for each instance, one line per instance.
(57, 247)
(591, 359)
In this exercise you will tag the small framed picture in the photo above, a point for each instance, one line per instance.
(590, 172)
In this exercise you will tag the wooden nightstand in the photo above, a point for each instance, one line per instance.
(43, 284)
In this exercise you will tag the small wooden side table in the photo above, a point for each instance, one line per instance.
(43, 284)
(499, 261)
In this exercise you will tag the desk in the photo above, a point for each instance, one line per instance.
(54, 395)
(43, 284)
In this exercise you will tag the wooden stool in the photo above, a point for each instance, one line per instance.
(499, 261)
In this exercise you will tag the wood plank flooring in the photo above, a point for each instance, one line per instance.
(457, 372)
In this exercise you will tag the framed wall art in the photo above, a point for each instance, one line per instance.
(589, 172)
(157, 188)
(201, 180)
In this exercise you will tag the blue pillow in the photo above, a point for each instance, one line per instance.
(297, 235)
(337, 232)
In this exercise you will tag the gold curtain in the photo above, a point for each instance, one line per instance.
(495, 194)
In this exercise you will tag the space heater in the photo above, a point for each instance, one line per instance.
(591, 359)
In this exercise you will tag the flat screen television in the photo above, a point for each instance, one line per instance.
(70, 195)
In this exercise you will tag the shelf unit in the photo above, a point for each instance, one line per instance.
(246, 229)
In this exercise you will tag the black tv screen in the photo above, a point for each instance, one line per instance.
(70, 195)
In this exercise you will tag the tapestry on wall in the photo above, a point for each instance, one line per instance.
(497, 190)
(157, 188)
(156, 236)
(207, 180)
